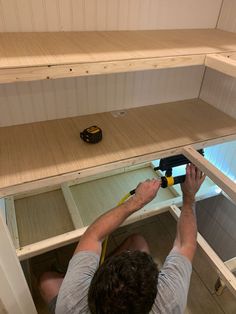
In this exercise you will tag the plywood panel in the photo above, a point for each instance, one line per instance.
(96, 197)
(42, 216)
(41, 150)
(46, 100)
(61, 15)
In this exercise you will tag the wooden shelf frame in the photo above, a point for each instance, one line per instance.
(51, 55)
(171, 204)
(47, 153)
(167, 197)
(224, 63)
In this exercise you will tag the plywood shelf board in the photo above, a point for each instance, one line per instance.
(42, 216)
(50, 149)
(97, 197)
(60, 54)
(91, 199)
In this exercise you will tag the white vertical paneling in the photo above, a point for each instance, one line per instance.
(39, 16)
(25, 14)
(78, 18)
(65, 15)
(101, 15)
(58, 15)
(51, 99)
(223, 157)
(53, 19)
(90, 14)
(227, 20)
(10, 15)
(219, 90)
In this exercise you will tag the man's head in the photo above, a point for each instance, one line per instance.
(125, 283)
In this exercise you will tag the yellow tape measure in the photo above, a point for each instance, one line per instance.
(92, 134)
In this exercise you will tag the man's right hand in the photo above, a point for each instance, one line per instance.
(193, 181)
(146, 191)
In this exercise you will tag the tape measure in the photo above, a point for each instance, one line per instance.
(92, 134)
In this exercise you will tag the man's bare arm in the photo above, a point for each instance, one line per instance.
(186, 236)
(107, 223)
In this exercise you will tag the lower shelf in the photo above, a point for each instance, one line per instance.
(45, 221)
(53, 218)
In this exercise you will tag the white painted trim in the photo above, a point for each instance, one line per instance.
(227, 185)
(14, 291)
(72, 207)
(2, 209)
(11, 220)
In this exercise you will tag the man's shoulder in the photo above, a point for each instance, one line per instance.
(72, 297)
(173, 284)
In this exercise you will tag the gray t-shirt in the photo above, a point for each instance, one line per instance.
(172, 287)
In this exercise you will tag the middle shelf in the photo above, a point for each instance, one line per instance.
(51, 152)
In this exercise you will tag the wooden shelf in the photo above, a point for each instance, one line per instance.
(51, 152)
(37, 229)
(34, 56)
(225, 63)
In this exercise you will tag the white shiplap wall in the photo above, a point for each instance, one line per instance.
(227, 20)
(220, 91)
(44, 100)
(68, 15)
(223, 157)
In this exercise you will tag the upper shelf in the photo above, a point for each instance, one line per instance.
(34, 56)
(51, 152)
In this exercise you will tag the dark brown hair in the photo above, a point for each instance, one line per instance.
(125, 283)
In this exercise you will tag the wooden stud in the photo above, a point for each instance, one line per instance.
(227, 185)
(11, 220)
(221, 268)
(72, 207)
(222, 64)
(86, 69)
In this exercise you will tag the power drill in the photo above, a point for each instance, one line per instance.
(166, 164)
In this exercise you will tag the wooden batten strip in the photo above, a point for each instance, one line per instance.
(227, 185)
(72, 207)
(222, 269)
(11, 75)
(221, 63)
(11, 220)
(52, 243)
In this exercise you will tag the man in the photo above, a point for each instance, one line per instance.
(128, 282)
